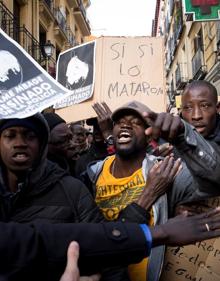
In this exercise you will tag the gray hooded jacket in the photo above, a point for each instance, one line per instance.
(184, 189)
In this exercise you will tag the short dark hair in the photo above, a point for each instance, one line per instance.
(202, 83)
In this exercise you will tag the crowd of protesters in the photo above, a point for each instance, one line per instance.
(141, 170)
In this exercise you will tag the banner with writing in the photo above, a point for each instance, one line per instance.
(127, 68)
(198, 262)
(25, 87)
(75, 71)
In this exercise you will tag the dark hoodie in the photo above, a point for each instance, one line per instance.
(47, 193)
(50, 194)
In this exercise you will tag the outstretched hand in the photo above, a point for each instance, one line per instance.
(71, 272)
(163, 125)
(187, 229)
(159, 179)
(104, 118)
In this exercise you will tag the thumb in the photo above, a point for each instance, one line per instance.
(148, 131)
(150, 116)
(71, 272)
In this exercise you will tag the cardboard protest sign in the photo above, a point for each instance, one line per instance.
(127, 68)
(198, 262)
(75, 71)
(25, 87)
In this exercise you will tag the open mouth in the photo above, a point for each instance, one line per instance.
(124, 137)
(20, 157)
(199, 127)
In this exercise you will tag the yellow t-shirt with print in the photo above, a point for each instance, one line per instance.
(113, 195)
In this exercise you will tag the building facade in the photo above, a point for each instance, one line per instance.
(192, 49)
(60, 24)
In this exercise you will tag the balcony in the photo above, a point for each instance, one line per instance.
(168, 62)
(167, 25)
(70, 37)
(180, 78)
(30, 44)
(217, 40)
(46, 8)
(61, 19)
(8, 23)
(178, 25)
(198, 67)
(80, 15)
(20, 34)
(49, 3)
(172, 46)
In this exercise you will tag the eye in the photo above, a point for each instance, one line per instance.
(205, 106)
(187, 108)
(30, 135)
(119, 122)
(9, 135)
(136, 122)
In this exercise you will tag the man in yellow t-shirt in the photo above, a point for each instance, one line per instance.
(128, 183)
(115, 196)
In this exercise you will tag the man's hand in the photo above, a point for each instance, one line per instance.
(104, 118)
(163, 150)
(185, 229)
(163, 125)
(71, 272)
(160, 176)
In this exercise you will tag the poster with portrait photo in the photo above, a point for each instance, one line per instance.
(25, 87)
(76, 71)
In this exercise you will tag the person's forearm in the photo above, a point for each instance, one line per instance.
(158, 236)
(146, 199)
(202, 157)
(109, 244)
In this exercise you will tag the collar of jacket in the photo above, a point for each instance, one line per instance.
(216, 135)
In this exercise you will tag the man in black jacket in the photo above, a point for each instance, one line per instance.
(200, 109)
(197, 136)
(60, 149)
(33, 188)
(28, 250)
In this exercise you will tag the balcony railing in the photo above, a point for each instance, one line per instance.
(178, 25)
(180, 78)
(20, 34)
(167, 25)
(50, 4)
(172, 46)
(83, 11)
(218, 37)
(198, 67)
(8, 22)
(70, 37)
(60, 19)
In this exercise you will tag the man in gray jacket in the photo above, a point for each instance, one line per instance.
(127, 184)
